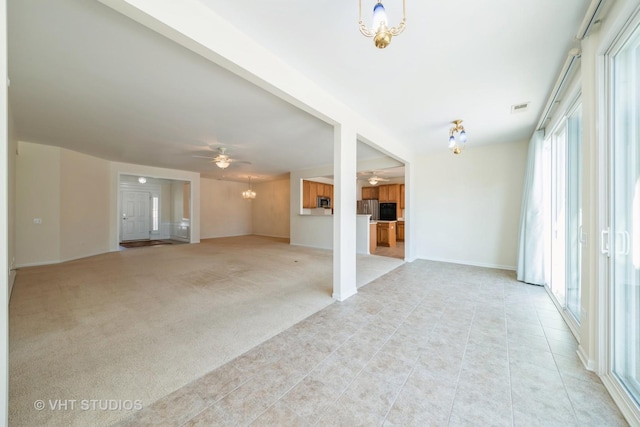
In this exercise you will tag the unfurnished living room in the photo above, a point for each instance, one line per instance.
(354, 213)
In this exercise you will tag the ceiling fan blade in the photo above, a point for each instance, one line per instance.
(205, 157)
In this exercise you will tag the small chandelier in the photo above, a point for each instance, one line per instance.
(249, 194)
(380, 31)
(457, 137)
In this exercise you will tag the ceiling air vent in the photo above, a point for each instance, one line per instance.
(519, 108)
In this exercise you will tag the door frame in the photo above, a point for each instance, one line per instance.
(154, 190)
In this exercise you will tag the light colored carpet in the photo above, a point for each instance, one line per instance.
(138, 324)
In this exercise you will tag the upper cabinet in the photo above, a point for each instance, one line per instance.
(385, 193)
(389, 193)
(311, 190)
(369, 193)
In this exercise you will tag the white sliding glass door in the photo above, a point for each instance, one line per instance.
(625, 216)
(563, 209)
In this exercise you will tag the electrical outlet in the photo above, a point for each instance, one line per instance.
(37, 221)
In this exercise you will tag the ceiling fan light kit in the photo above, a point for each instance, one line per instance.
(380, 30)
(374, 179)
(222, 160)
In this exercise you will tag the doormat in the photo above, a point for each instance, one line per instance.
(142, 243)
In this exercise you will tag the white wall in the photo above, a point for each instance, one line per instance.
(308, 230)
(84, 205)
(271, 210)
(223, 211)
(467, 207)
(37, 196)
(76, 197)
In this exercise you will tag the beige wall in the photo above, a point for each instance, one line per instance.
(467, 207)
(223, 211)
(271, 208)
(37, 196)
(84, 205)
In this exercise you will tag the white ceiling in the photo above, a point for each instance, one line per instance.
(87, 78)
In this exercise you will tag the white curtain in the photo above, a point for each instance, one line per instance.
(530, 266)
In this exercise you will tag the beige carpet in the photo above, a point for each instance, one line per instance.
(138, 324)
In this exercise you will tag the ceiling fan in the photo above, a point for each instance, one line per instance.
(374, 179)
(222, 160)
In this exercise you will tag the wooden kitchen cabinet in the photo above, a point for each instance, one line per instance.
(311, 190)
(394, 192)
(389, 193)
(387, 234)
(309, 194)
(401, 196)
(400, 231)
(383, 194)
(369, 193)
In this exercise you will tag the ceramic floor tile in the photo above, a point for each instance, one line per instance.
(431, 345)
(277, 415)
(309, 398)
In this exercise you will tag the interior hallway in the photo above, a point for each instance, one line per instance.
(429, 344)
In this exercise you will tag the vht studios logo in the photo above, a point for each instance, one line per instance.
(88, 405)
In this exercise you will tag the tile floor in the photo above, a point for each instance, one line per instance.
(429, 344)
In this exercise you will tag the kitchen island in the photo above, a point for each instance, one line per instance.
(386, 232)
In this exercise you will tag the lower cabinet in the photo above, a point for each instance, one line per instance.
(400, 231)
(387, 234)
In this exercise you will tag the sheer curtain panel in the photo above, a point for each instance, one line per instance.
(530, 265)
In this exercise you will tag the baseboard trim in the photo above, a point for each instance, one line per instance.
(475, 264)
(589, 364)
(629, 410)
(310, 246)
(12, 279)
(38, 264)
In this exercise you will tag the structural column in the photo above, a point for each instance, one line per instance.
(344, 214)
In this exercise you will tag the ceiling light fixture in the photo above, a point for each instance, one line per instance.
(249, 194)
(380, 31)
(457, 137)
(222, 161)
(373, 180)
(142, 180)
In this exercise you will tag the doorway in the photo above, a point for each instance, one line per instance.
(154, 209)
(135, 215)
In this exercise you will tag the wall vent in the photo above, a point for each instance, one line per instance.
(519, 108)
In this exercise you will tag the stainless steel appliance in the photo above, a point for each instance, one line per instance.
(369, 207)
(324, 202)
(388, 212)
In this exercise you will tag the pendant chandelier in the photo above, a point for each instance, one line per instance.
(380, 30)
(457, 137)
(249, 194)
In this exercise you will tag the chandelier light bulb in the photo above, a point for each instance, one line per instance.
(381, 32)
(379, 17)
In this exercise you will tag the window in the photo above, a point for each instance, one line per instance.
(155, 213)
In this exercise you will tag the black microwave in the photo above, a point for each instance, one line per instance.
(324, 202)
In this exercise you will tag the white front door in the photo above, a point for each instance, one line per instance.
(135, 215)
